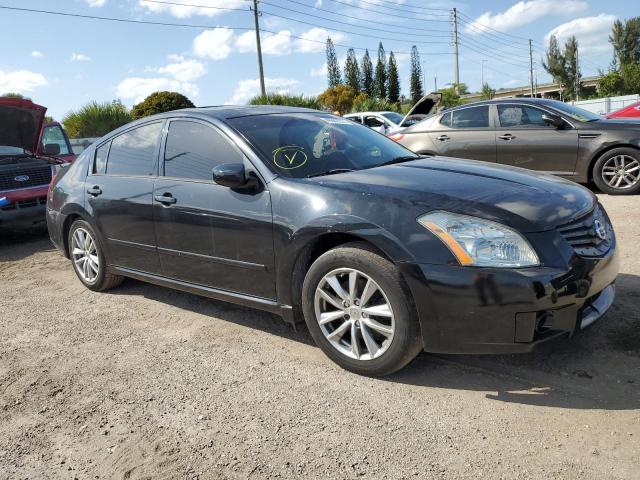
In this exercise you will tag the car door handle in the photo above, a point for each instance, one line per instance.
(165, 198)
(507, 136)
(94, 191)
(443, 138)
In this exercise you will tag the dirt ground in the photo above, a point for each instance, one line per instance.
(146, 382)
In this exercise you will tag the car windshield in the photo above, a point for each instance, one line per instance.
(393, 116)
(576, 113)
(54, 134)
(302, 145)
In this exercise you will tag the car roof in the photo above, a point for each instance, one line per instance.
(234, 111)
(550, 102)
(368, 113)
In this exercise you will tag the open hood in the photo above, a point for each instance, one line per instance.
(423, 107)
(21, 123)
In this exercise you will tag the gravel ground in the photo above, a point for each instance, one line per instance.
(146, 382)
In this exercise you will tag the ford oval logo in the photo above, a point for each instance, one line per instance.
(21, 178)
(600, 230)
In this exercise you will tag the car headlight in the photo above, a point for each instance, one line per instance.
(478, 242)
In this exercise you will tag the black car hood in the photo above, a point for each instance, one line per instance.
(513, 196)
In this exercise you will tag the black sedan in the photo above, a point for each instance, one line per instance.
(544, 135)
(308, 215)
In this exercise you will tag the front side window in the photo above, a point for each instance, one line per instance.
(194, 149)
(300, 145)
(54, 134)
(133, 152)
(472, 117)
(373, 122)
(520, 116)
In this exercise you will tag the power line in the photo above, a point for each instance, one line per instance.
(493, 56)
(390, 14)
(486, 27)
(406, 6)
(189, 25)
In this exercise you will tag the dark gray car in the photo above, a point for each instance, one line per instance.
(544, 135)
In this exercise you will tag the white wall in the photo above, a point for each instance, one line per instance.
(607, 105)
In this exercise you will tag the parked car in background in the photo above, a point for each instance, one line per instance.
(630, 111)
(544, 135)
(301, 213)
(29, 158)
(388, 122)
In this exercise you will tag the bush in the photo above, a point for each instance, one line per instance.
(96, 119)
(160, 102)
(340, 98)
(372, 104)
(286, 100)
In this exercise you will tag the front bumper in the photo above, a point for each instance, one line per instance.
(22, 214)
(490, 310)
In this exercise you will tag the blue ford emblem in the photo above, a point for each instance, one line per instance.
(600, 230)
(21, 178)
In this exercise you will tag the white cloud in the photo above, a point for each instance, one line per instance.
(271, 44)
(246, 89)
(182, 69)
(214, 44)
(320, 71)
(314, 40)
(525, 12)
(37, 54)
(96, 3)
(21, 81)
(589, 31)
(79, 57)
(193, 8)
(138, 89)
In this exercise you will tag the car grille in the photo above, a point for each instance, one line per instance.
(37, 176)
(581, 234)
(32, 202)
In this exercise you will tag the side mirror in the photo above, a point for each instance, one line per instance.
(234, 176)
(553, 120)
(51, 149)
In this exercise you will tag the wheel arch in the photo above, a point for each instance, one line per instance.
(596, 156)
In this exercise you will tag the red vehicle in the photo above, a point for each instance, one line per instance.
(30, 153)
(630, 111)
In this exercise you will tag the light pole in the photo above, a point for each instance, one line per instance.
(482, 69)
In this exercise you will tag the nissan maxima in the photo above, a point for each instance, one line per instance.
(383, 253)
(540, 134)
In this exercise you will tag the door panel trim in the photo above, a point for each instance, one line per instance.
(126, 243)
(225, 261)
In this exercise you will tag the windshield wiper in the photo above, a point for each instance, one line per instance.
(406, 158)
(330, 172)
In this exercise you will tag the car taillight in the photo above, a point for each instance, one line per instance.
(396, 137)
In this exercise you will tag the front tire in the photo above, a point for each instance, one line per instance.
(617, 172)
(359, 312)
(88, 258)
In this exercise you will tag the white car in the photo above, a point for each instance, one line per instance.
(388, 122)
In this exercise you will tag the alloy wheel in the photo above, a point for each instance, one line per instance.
(621, 172)
(85, 257)
(354, 314)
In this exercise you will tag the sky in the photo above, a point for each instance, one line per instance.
(63, 62)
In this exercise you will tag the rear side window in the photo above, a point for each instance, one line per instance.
(133, 152)
(472, 117)
(100, 163)
(194, 149)
(520, 116)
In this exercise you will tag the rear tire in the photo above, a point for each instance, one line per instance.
(367, 300)
(87, 257)
(617, 172)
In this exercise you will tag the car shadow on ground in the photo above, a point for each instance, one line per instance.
(18, 244)
(597, 369)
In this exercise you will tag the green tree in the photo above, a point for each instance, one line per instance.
(333, 69)
(362, 103)
(160, 102)
(563, 66)
(340, 98)
(286, 100)
(18, 96)
(96, 119)
(416, 88)
(352, 71)
(625, 40)
(631, 78)
(393, 80)
(367, 74)
(610, 84)
(487, 92)
(451, 95)
(380, 79)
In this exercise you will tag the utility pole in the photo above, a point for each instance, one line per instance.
(531, 66)
(263, 92)
(576, 86)
(435, 82)
(456, 68)
(482, 68)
